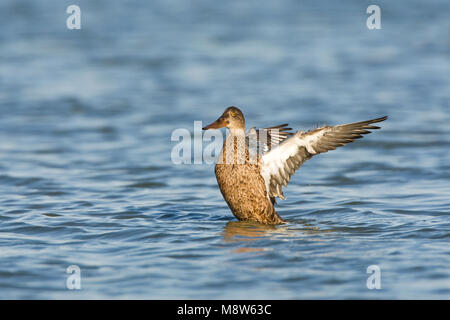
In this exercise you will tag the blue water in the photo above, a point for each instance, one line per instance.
(86, 176)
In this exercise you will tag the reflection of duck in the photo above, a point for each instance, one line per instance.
(247, 230)
(249, 183)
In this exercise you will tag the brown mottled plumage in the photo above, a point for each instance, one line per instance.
(243, 187)
(250, 185)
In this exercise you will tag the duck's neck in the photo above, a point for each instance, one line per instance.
(237, 132)
(234, 150)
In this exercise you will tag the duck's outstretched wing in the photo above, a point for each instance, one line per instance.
(265, 139)
(280, 163)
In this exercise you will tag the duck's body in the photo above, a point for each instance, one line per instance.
(249, 181)
(242, 185)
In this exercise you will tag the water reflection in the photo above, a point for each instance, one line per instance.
(247, 231)
(250, 232)
(239, 231)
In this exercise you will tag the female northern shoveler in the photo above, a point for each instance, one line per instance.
(253, 167)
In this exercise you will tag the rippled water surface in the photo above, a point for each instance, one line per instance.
(86, 176)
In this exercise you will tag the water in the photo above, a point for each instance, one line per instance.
(86, 177)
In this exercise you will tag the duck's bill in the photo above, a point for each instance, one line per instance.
(219, 123)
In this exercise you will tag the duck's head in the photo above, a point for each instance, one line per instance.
(232, 118)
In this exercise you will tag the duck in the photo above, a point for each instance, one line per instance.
(253, 167)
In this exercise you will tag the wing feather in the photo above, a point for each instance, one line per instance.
(264, 139)
(281, 162)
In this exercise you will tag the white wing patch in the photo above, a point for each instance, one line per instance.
(280, 163)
